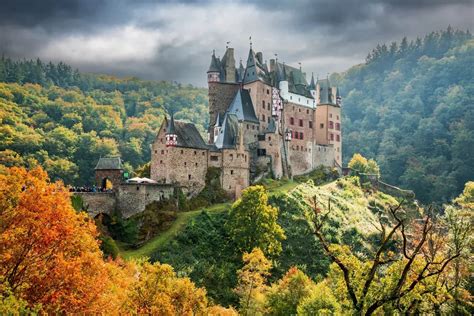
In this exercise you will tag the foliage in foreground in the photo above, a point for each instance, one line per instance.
(50, 261)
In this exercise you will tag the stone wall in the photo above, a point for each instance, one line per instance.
(323, 155)
(235, 171)
(261, 95)
(220, 96)
(271, 144)
(98, 202)
(133, 198)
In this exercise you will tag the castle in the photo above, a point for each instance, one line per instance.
(265, 119)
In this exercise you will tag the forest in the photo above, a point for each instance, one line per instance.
(56, 117)
(411, 108)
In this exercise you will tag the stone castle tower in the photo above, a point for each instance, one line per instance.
(265, 119)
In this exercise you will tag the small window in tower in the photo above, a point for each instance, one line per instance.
(263, 117)
(261, 152)
(301, 135)
(248, 126)
(203, 153)
(307, 111)
(330, 114)
(268, 106)
(253, 126)
(268, 91)
(185, 163)
(294, 135)
(182, 152)
(162, 152)
(269, 138)
(196, 164)
(338, 126)
(331, 124)
(138, 188)
(292, 121)
(337, 117)
(261, 137)
(332, 136)
(195, 153)
(189, 177)
(232, 172)
(268, 120)
(156, 151)
(263, 104)
(301, 122)
(297, 147)
(338, 138)
(214, 158)
(161, 161)
(321, 125)
(310, 123)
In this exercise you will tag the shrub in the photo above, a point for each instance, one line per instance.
(108, 247)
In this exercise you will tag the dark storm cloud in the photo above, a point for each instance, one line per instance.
(172, 39)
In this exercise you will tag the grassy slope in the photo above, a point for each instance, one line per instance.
(184, 217)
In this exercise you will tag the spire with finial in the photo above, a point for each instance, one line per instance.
(312, 85)
(250, 40)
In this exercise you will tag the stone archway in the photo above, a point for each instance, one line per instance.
(107, 184)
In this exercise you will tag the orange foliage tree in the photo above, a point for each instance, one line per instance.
(49, 254)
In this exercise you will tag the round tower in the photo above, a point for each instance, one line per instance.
(213, 74)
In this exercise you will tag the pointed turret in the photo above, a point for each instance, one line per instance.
(228, 65)
(171, 136)
(213, 74)
(312, 85)
(241, 71)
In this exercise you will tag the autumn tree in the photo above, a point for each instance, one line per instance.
(49, 254)
(387, 277)
(252, 282)
(158, 291)
(284, 296)
(361, 165)
(253, 223)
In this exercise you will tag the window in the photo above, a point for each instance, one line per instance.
(331, 124)
(338, 138)
(232, 172)
(248, 126)
(337, 117)
(310, 123)
(261, 152)
(292, 121)
(297, 147)
(253, 126)
(261, 137)
(156, 151)
(195, 153)
(268, 91)
(203, 153)
(269, 138)
(138, 188)
(162, 152)
(161, 161)
(332, 136)
(299, 110)
(338, 126)
(214, 158)
(321, 125)
(263, 117)
(182, 152)
(301, 135)
(268, 120)
(196, 164)
(185, 163)
(268, 106)
(231, 157)
(301, 122)
(330, 114)
(263, 104)
(189, 177)
(307, 111)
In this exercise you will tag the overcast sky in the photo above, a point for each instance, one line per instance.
(173, 40)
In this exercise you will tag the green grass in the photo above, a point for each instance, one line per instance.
(184, 217)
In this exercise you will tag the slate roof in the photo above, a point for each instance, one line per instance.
(271, 128)
(228, 134)
(242, 107)
(296, 79)
(109, 163)
(214, 66)
(171, 127)
(324, 95)
(188, 136)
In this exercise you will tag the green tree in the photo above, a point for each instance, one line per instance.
(320, 302)
(253, 223)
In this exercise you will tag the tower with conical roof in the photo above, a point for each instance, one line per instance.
(171, 136)
(213, 74)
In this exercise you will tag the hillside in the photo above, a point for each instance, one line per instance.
(411, 108)
(203, 250)
(65, 120)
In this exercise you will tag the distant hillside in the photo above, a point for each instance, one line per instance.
(65, 120)
(204, 251)
(411, 107)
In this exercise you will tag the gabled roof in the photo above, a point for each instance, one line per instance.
(188, 135)
(229, 132)
(109, 163)
(242, 107)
